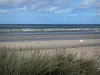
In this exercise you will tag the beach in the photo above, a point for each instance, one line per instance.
(50, 43)
(74, 49)
(39, 37)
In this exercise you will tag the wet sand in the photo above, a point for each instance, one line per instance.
(44, 37)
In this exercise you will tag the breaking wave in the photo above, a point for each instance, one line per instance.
(49, 30)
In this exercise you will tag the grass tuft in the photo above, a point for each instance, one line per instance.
(58, 64)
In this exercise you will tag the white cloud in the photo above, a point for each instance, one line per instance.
(53, 9)
(73, 15)
(91, 3)
(37, 4)
(66, 10)
(47, 9)
(33, 5)
(61, 2)
(19, 1)
(21, 9)
(12, 10)
(87, 2)
(4, 11)
(88, 5)
(54, 6)
(11, 1)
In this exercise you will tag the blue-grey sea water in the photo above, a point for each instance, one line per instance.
(25, 32)
(31, 29)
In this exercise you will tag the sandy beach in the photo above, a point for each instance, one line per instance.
(49, 41)
(50, 44)
(90, 43)
(90, 47)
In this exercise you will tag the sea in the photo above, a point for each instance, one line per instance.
(48, 29)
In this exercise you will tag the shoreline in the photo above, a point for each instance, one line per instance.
(22, 38)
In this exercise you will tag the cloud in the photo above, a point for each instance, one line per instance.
(91, 3)
(19, 1)
(66, 10)
(53, 9)
(21, 9)
(47, 9)
(38, 4)
(4, 11)
(88, 2)
(92, 6)
(4, 1)
(61, 2)
(13, 10)
(52, 6)
(12, 1)
(32, 5)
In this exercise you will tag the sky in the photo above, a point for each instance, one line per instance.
(49, 11)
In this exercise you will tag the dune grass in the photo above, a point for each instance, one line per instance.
(58, 64)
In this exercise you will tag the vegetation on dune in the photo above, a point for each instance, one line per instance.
(58, 64)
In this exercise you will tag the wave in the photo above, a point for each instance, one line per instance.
(49, 30)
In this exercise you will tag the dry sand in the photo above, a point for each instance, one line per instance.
(51, 44)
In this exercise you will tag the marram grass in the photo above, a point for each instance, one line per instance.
(59, 64)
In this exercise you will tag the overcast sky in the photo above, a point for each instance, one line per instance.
(49, 11)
